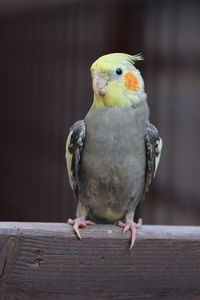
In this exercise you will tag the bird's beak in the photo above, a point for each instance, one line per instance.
(99, 83)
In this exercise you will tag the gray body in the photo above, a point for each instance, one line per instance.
(113, 161)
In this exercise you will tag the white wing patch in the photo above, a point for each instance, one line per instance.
(158, 154)
(153, 144)
(74, 147)
(68, 157)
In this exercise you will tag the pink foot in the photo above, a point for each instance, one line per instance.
(79, 223)
(132, 226)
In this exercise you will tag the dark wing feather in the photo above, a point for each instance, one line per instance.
(153, 144)
(74, 147)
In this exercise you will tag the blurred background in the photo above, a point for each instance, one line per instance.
(46, 49)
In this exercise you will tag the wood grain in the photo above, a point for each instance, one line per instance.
(46, 261)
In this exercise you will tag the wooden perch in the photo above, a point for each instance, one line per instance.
(47, 261)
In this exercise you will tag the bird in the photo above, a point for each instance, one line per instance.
(112, 154)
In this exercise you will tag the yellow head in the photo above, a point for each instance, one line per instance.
(116, 82)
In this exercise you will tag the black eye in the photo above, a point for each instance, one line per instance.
(118, 71)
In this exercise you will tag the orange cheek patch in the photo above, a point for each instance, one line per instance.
(131, 81)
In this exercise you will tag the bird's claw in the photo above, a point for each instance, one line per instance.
(132, 226)
(79, 223)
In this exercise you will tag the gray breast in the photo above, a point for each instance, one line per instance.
(113, 161)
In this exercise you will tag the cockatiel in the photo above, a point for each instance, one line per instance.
(113, 154)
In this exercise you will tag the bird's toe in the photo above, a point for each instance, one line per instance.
(132, 226)
(79, 223)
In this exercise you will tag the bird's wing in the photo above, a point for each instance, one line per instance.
(153, 144)
(74, 147)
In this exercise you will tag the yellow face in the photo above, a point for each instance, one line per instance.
(115, 81)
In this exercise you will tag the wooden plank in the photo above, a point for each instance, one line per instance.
(46, 261)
